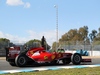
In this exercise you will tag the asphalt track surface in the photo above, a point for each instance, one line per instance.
(4, 65)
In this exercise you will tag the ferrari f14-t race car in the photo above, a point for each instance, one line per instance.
(39, 55)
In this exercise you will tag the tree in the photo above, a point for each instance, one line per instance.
(54, 46)
(83, 31)
(99, 29)
(93, 35)
(86, 29)
(33, 43)
(4, 42)
(75, 35)
(98, 35)
(64, 37)
(94, 32)
(96, 40)
(69, 35)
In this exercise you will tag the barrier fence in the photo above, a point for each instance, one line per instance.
(71, 46)
(75, 45)
(2, 53)
(93, 48)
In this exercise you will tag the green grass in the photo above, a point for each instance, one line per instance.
(82, 71)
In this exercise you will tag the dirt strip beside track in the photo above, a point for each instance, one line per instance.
(1, 58)
(90, 56)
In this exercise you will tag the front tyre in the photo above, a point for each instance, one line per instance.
(76, 59)
(21, 60)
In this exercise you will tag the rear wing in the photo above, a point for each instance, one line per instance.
(12, 52)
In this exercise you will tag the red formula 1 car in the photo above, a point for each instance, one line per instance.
(40, 55)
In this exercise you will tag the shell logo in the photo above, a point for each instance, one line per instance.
(45, 57)
(53, 57)
(31, 52)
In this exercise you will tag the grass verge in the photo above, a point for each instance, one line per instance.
(79, 71)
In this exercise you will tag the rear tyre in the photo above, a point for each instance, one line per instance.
(76, 59)
(21, 60)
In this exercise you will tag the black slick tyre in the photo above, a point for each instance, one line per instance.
(21, 60)
(76, 58)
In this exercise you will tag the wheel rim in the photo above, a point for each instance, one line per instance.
(21, 60)
(77, 58)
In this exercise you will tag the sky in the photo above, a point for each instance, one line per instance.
(24, 20)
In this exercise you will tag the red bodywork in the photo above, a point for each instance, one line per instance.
(40, 55)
